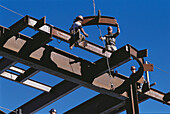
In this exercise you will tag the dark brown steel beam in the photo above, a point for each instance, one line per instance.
(99, 20)
(156, 95)
(96, 105)
(65, 36)
(132, 102)
(28, 82)
(103, 104)
(27, 74)
(45, 99)
(5, 64)
(19, 25)
(51, 60)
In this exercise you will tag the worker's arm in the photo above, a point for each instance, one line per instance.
(82, 30)
(102, 38)
(118, 31)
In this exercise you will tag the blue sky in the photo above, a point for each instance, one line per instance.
(144, 24)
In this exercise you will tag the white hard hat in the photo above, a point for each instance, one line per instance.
(80, 17)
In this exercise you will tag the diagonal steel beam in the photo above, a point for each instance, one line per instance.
(46, 98)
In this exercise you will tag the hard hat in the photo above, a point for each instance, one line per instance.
(109, 28)
(133, 68)
(80, 17)
(53, 110)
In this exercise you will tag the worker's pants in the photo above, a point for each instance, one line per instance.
(111, 47)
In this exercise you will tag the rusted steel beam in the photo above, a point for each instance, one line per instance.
(142, 98)
(40, 23)
(51, 60)
(104, 104)
(29, 82)
(65, 36)
(46, 98)
(5, 64)
(117, 58)
(95, 20)
(96, 105)
(132, 102)
(27, 74)
(156, 95)
(19, 25)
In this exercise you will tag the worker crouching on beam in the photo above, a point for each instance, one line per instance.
(75, 29)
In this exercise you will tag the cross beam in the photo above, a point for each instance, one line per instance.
(53, 31)
(46, 98)
(50, 60)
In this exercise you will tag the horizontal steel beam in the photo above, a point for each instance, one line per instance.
(156, 95)
(99, 20)
(51, 60)
(65, 36)
(96, 105)
(17, 69)
(103, 104)
(5, 64)
(45, 99)
(27, 74)
(28, 82)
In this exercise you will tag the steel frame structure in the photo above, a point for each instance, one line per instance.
(15, 47)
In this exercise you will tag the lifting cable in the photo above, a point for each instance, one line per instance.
(8, 109)
(21, 16)
(11, 10)
(161, 69)
(107, 59)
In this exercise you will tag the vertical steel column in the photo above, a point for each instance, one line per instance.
(132, 102)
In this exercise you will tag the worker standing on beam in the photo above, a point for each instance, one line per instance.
(110, 38)
(75, 31)
(140, 81)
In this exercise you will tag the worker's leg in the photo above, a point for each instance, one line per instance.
(73, 40)
(113, 48)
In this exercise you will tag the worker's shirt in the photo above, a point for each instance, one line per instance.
(76, 27)
(110, 39)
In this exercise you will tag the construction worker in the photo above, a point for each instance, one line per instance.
(75, 31)
(110, 38)
(133, 69)
(53, 111)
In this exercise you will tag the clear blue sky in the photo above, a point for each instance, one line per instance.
(145, 24)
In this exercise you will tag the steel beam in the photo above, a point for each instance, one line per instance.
(96, 105)
(53, 61)
(46, 98)
(5, 64)
(132, 102)
(99, 20)
(27, 74)
(17, 69)
(65, 36)
(28, 82)
(156, 95)
(103, 104)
